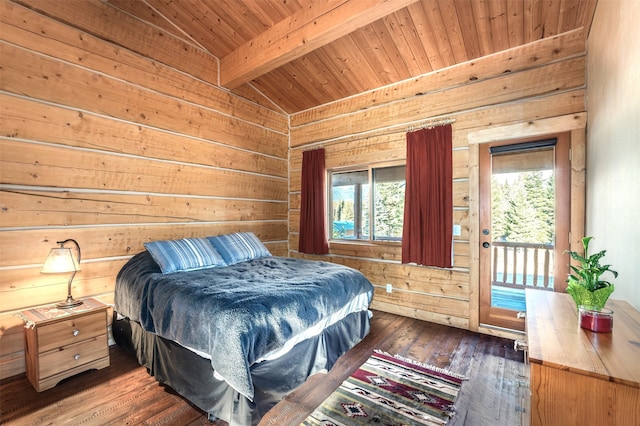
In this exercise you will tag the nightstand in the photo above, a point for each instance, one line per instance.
(60, 343)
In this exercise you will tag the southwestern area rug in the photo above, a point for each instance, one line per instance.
(391, 391)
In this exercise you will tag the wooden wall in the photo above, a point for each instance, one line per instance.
(114, 133)
(537, 89)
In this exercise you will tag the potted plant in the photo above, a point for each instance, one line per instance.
(586, 286)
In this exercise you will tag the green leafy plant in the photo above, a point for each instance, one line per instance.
(585, 283)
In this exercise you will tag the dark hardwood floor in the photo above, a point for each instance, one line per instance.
(125, 394)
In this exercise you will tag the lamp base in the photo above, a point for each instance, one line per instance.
(69, 303)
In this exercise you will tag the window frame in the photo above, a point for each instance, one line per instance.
(355, 168)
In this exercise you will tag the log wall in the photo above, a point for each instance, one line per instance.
(534, 90)
(114, 146)
(114, 132)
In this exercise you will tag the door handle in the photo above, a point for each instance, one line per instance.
(486, 245)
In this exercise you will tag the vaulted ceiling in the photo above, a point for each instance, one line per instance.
(304, 53)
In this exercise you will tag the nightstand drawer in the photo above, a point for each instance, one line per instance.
(60, 343)
(73, 330)
(72, 356)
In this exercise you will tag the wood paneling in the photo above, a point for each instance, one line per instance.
(554, 77)
(485, 68)
(114, 130)
(299, 34)
(46, 165)
(65, 126)
(121, 29)
(47, 79)
(63, 208)
(81, 48)
(422, 37)
(114, 133)
(537, 97)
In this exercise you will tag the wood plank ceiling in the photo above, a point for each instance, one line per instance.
(305, 53)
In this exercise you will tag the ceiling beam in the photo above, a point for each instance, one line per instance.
(305, 31)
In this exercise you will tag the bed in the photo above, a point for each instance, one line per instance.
(232, 328)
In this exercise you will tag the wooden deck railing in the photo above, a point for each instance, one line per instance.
(521, 265)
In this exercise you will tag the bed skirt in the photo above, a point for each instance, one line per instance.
(191, 375)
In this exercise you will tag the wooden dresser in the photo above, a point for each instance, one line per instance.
(578, 377)
(60, 343)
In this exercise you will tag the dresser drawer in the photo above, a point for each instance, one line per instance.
(72, 356)
(76, 329)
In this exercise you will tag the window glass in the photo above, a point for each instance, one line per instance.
(388, 194)
(359, 208)
(350, 204)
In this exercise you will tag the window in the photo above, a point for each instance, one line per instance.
(360, 210)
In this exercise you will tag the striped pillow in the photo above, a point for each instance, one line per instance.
(239, 246)
(186, 254)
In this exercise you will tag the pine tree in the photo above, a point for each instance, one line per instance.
(499, 206)
(536, 198)
(523, 210)
(389, 208)
(520, 216)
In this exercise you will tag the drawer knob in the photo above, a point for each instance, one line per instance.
(76, 357)
(76, 332)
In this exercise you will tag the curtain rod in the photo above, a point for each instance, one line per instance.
(431, 124)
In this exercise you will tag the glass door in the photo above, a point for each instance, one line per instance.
(524, 220)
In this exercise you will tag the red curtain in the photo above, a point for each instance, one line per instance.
(313, 217)
(428, 208)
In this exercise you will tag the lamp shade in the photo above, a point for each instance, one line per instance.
(59, 260)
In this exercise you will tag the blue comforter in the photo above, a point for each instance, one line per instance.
(238, 313)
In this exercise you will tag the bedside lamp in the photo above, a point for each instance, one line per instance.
(61, 260)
